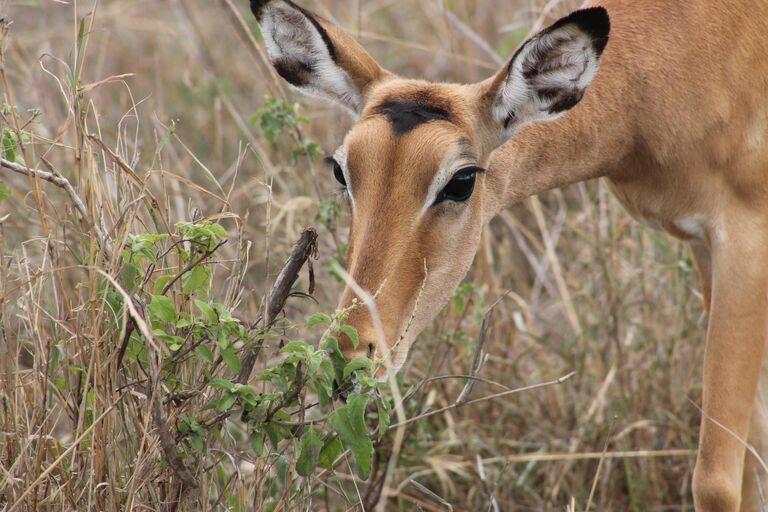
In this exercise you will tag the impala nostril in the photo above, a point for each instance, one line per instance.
(370, 350)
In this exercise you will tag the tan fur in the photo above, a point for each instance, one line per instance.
(676, 120)
(391, 245)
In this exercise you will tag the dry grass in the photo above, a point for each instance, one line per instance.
(148, 118)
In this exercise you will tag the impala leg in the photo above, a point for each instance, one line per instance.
(754, 489)
(732, 363)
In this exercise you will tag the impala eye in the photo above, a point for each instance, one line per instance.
(338, 173)
(460, 187)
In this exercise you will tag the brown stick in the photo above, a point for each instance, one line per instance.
(191, 266)
(167, 442)
(304, 248)
(477, 357)
(62, 182)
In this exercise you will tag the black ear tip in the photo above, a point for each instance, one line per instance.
(596, 20)
(592, 20)
(257, 7)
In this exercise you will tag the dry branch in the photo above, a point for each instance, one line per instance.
(456, 405)
(167, 442)
(62, 182)
(477, 357)
(304, 248)
(190, 266)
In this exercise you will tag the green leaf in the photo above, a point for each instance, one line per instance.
(247, 395)
(351, 333)
(384, 411)
(205, 234)
(222, 384)
(204, 352)
(318, 318)
(366, 379)
(160, 283)
(311, 444)
(197, 442)
(276, 434)
(208, 312)
(257, 442)
(349, 423)
(331, 345)
(329, 209)
(330, 452)
(227, 401)
(230, 359)
(5, 192)
(217, 230)
(295, 346)
(8, 145)
(357, 364)
(161, 308)
(196, 279)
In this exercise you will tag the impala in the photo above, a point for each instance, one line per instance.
(675, 119)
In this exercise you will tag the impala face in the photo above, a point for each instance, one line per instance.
(411, 169)
(412, 165)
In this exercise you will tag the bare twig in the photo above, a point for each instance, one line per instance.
(477, 357)
(167, 443)
(191, 266)
(456, 405)
(62, 182)
(599, 467)
(304, 248)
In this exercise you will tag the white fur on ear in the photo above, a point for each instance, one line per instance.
(550, 72)
(303, 54)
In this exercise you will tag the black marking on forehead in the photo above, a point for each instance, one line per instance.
(406, 115)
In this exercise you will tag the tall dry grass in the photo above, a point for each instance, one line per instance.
(141, 111)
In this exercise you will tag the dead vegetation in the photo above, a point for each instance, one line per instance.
(132, 129)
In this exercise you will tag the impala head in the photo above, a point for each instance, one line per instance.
(412, 164)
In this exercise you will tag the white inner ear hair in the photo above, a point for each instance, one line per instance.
(550, 70)
(292, 40)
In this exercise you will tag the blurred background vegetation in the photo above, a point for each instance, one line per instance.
(163, 111)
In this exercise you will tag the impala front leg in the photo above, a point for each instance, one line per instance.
(754, 489)
(732, 363)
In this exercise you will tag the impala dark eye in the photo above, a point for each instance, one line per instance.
(337, 172)
(460, 187)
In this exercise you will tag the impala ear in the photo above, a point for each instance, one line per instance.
(550, 71)
(315, 56)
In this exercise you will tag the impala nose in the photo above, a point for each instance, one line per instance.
(366, 347)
